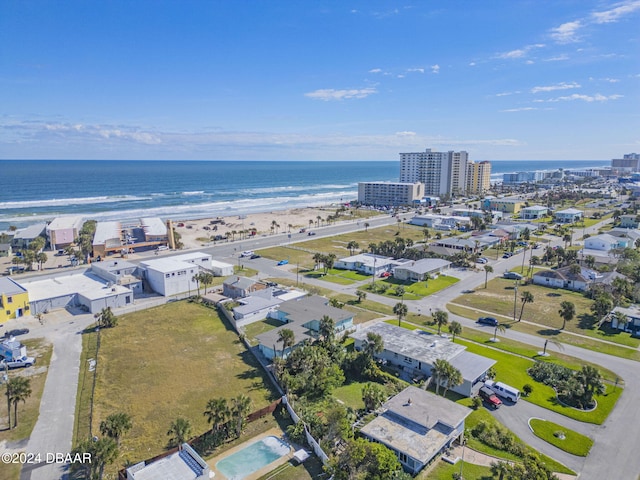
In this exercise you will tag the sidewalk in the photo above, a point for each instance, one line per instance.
(477, 458)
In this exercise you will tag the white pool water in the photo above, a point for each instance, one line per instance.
(252, 458)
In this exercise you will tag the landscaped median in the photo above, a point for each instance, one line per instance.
(561, 437)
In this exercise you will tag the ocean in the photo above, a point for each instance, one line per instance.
(39, 190)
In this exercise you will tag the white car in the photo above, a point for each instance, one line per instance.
(246, 253)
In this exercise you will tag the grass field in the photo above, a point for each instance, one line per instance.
(499, 297)
(573, 443)
(29, 411)
(166, 362)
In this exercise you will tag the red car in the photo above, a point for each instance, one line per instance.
(385, 274)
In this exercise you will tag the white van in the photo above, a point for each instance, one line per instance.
(503, 390)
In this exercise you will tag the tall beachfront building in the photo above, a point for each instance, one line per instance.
(627, 164)
(478, 177)
(442, 173)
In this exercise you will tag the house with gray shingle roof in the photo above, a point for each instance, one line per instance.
(563, 278)
(420, 270)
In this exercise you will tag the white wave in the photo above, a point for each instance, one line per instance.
(196, 192)
(54, 202)
(201, 210)
(298, 188)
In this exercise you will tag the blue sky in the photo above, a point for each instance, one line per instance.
(319, 80)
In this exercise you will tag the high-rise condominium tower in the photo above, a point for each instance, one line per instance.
(442, 173)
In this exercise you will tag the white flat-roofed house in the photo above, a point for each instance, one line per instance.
(185, 464)
(629, 221)
(570, 215)
(420, 270)
(417, 425)
(63, 231)
(261, 303)
(174, 275)
(534, 212)
(221, 269)
(366, 263)
(415, 351)
(119, 272)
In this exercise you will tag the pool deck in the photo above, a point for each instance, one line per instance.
(272, 432)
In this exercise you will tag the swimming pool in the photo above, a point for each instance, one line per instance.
(252, 458)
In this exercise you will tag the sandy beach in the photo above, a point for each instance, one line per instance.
(196, 232)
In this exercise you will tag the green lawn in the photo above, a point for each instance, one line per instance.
(445, 471)
(573, 443)
(162, 363)
(415, 290)
(256, 328)
(351, 394)
(499, 298)
(28, 411)
(545, 333)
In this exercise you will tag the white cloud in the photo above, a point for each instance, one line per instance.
(614, 14)
(419, 70)
(586, 98)
(435, 68)
(559, 86)
(400, 75)
(504, 94)
(557, 58)
(472, 64)
(519, 53)
(406, 134)
(328, 94)
(567, 32)
(375, 70)
(521, 109)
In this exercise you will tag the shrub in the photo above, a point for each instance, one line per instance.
(499, 437)
(527, 389)
(476, 403)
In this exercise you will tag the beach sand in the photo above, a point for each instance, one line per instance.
(194, 234)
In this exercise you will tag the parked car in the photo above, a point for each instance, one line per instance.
(512, 276)
(490, 397)
(482, 260)
(385, 274)
(488, 321)
(505, 391)
(247, 253)
(311, 234)
(18, 363)
(15, 332)
(507, 255)
(254, 256)
(283, 262)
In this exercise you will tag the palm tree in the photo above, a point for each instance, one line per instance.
(455, 328)
(104, 452)
(499, 328)
(621, 320)
(327, 330)
(526, 297)
(373, 345)
(196, 278)
(18, 390)
(319, 219)
(591, 381)
(41, 258)
(558, 345)
(288, 339)
(487, 270)
(352, 245)
(106, 318)
(500, 469)
(318, 258)
(401, 310)
(372, 395)
(567, 312)
(217, 413)
(439, 372)
(366, 226)
(441, 318)
(240, 408)
(116, 425)
(362, 295)
(453, 379)
(179, 431)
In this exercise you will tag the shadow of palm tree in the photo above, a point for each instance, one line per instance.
(547, 332)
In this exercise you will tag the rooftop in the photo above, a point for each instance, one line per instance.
(153, 226)
(85, 284)
(60, 223)
(10, 287)
(425, 265)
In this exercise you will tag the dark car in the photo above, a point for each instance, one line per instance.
(311, 234)
(16, 331)
(490, 397)
(254, 256)
(488, 321)
(512, 276)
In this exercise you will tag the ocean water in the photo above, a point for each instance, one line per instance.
(39, 190)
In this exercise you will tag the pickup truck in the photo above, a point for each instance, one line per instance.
(490, 397)
(22, 362)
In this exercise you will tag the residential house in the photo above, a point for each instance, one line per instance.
(302, 316)
(629, 221)
(417, 425)
(632, 317)
(5, 249)
(63, 231)
(534, 212)
(23, 238)
(261, 303)
(14, 299)
(239, 287)
(119, 272)
(421, 270)
(605, 242)
(221, 269)
(175, 275)
(413, 352)
(505, 205)
(185, 464)
(366, 263)
(564, 278)
(472, 244)
(570, 215)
